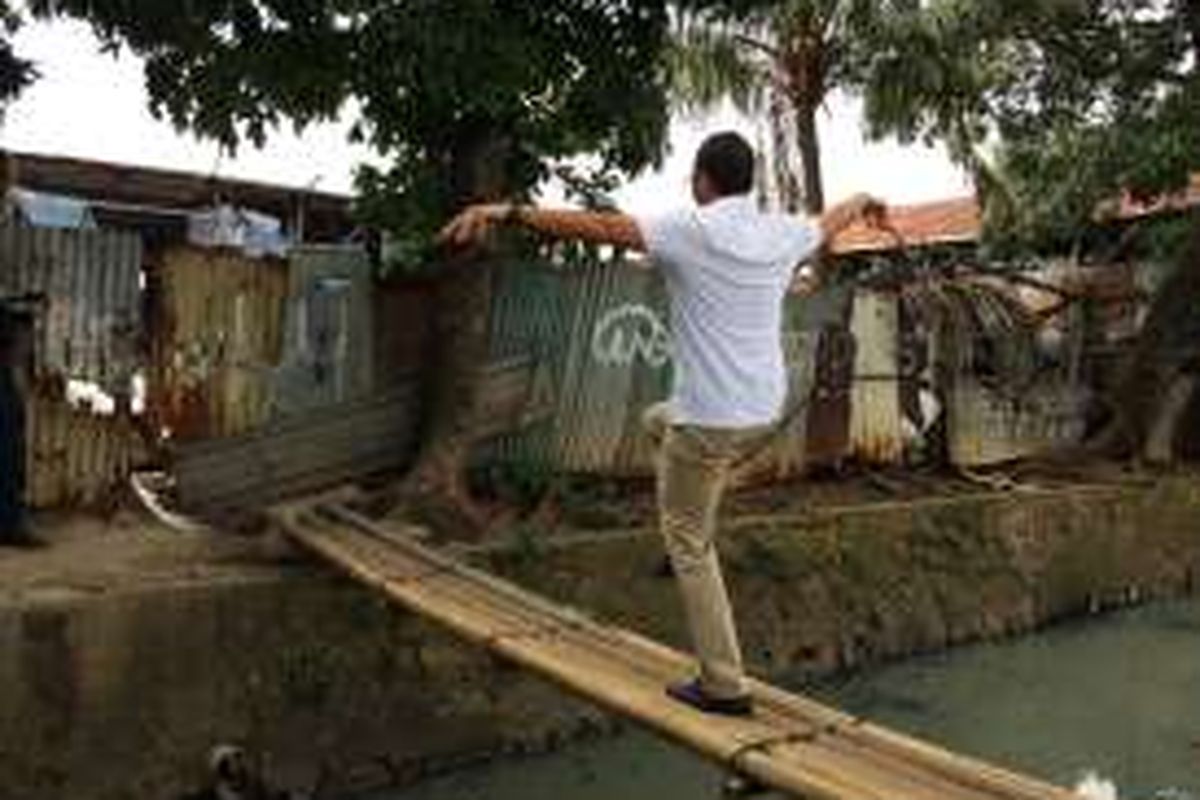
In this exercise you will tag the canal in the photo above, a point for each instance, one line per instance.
(1116, 698)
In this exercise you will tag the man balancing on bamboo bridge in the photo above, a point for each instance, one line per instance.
(727, 267)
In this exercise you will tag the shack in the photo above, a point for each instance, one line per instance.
(177, 308)
(1004, 360)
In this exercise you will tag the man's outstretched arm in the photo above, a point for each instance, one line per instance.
(475, 223)
(594, 227)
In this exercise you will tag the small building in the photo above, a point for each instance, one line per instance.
(1013, 355)
(175, 307)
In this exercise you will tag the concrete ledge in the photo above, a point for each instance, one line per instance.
(838, 588)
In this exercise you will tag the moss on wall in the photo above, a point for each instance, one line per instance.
(837, 590)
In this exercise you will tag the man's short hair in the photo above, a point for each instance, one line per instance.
(727, 159)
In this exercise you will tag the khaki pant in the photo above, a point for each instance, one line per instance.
(694, 464)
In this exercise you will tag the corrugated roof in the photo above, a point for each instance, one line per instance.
(327, 215)
(958, 220)
(940, 222)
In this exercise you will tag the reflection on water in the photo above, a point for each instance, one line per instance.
(1101, 704)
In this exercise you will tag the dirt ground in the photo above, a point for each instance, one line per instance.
(858, 485)
(599, 505)
(132, 550)
(88, 555)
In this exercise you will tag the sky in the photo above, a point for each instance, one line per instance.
(93, 105)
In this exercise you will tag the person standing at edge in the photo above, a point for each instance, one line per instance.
(727, 268)
(14, 527)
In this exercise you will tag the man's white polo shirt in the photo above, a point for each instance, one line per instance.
(728, 267)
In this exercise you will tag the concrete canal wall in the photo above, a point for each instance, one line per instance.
(115, 686)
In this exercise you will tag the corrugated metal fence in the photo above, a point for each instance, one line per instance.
(241, 341)
(618, 361)
(88, 332)
(235, 344)
(75, 457)
(985, 428)
(596, 344)
(329, 338)
(300, 453)
(91, 279)
(218, 338)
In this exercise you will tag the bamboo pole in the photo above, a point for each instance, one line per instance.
(795, 744)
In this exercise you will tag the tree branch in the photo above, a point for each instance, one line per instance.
(756, 44)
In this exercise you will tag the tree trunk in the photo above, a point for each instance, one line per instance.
(1168, 343)
(437, 489)
(787, 189)
(437, 486)
(1170, 336)
(810, 156)
(1160, 446)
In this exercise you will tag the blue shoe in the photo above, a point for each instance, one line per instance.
(692, 694)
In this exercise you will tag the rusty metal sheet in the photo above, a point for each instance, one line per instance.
(299, 454)
(76, 458)
(218, 340)
(986, 429)
(91, 279)
(876, 429)
(827, 434)
(241, 341)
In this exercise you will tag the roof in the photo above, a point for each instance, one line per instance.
(958, 221)
(953, 221)
(326, 215)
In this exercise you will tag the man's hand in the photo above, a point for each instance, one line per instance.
(805, 283)
(474, 224)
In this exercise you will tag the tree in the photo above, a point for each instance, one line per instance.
(778, 61)
(468, 100)
(1059, 109)
(15, 73)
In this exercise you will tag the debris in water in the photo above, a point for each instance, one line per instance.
(232, 777)
(1094, 787)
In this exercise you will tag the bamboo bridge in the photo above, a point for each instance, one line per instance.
(791, 743)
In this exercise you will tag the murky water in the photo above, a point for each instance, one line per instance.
(1118, 697)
